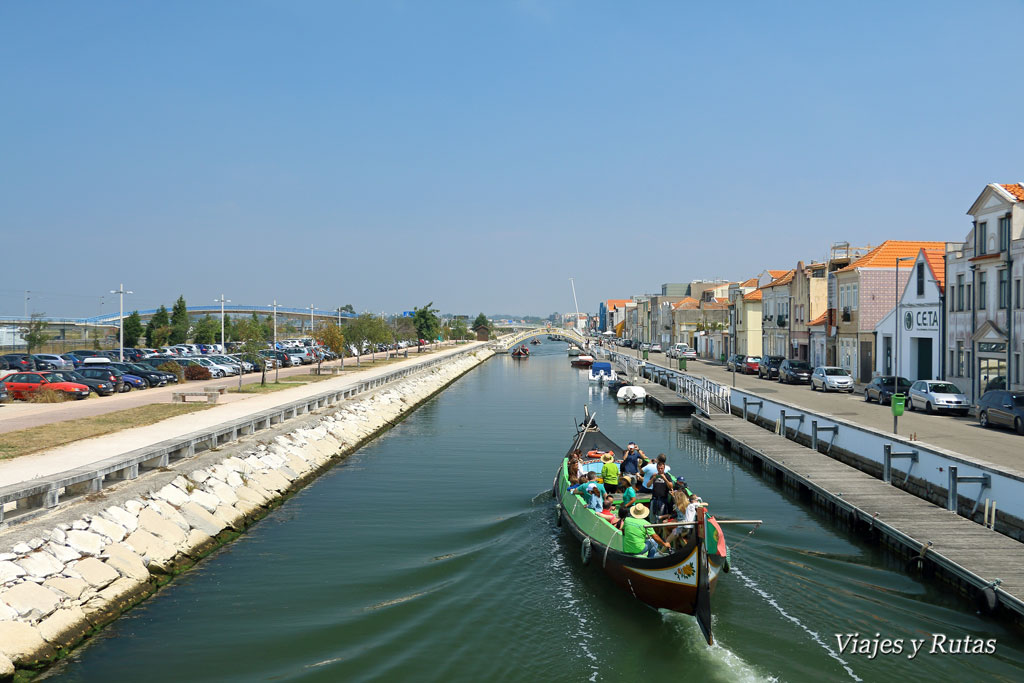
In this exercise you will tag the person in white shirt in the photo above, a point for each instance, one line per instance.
(649, 471)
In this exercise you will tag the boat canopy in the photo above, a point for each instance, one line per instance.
(601, 367)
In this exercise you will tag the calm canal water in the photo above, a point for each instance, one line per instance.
(432, 554)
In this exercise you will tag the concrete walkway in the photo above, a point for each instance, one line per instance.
(1001, 447)
(63, 458)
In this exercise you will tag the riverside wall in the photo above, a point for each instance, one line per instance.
(66, 575)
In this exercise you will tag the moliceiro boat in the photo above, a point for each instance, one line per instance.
(521, 352)
(683, 580)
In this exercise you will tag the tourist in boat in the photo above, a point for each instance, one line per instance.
(629, 493)
(631, 459)
(661, 488)
(592, 479)
(610, 473)
(593, 498)
(574, 467)
(650, 470)
(637, 534)
(686, 512)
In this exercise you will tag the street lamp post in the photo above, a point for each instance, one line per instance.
(311, 309)
(121, 292)
(277, 360)
(223, 341)
(27, 297)
(896, 360)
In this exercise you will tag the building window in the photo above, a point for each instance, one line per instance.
(970, 300)
(952, 362)
(968, 366)
(920, 279)
(982, 238)
(1004, 233)
(952, 298)
(959, 359)
(853, 297)
(982, 291)
(1004, 288)
(960, 292)
(1016, 292)
(1016, 368)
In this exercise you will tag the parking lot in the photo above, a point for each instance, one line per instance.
(960, 434)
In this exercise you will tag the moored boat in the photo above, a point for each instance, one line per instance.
(631, 395)
(601, 372)
(582, 361)
(521, 352)
(574, 351)
(535, 341)
(682, 580)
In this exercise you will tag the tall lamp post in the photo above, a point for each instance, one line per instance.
(223, 340)
(896, 360)
(277, 360)
(121, 291)
(311, 309)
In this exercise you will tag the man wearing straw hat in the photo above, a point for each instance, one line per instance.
(637, 535)
(610, 473)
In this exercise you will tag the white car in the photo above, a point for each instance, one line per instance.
(831, 378)
(688, 354)
(216, 370)
(937, 396)
(655, 348)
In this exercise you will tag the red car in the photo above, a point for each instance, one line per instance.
(750, 365)
(23, 384)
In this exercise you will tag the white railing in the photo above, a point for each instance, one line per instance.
(707, 396)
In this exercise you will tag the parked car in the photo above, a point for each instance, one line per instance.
(129, 380)
(688, 354)
(51, 361)
(1002, 408)
(100, 387)
(655, 348)
(645, 346)
(750, 365)
(734, 362)
(4, 396)
(24, 384)
(936, 395)
(882, 388)
(831, 378)
(793, 371)
(104, 375)
(216, 371)
(152, 377)
(769, 367)
(19, 361)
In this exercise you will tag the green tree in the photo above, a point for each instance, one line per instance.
(481, 321)
(34, 333)
(357, 333)
(179, 322)
(250, 332)
(159, 321)
(229, 330)
(132, 329)
(331, 337)
(206, 330)
(347, 308)
(426, 321)
(459, 330)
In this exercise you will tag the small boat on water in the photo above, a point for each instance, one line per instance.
(682, 580)
(631, 395)
(614, 385)
(582, 361)
(521, 352)
(535, 341)
(574, 351)
(601, 372)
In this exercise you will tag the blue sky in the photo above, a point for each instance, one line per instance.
(478, 154)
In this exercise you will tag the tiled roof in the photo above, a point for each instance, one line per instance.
(776, 274)
(721, 300)
(687, 303)
(753, 296)
(784, 278)
(820, 320)
(714, 306)
(937, 262)
(612, 304)
(886, 253)
(1017, 190)
(752, 282)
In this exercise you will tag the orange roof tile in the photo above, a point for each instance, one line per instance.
(935, 258)
(714, 306)
(752, 282)
(784, 279)
(1017, 190)
(753, 296)
(776, 274)
(820, 320)
(886, 253)
(687, 303)
(612, 304)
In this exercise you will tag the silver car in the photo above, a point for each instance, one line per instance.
(937, 396)
(831, 378)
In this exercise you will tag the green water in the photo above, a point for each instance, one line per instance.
(432, 555)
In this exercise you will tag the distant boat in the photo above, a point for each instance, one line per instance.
(582, 361)
(535, 341)
(631, 396)
(574, 351)
(601, 372)
(521, 352)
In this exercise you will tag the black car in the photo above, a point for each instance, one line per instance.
(154, 378)
(100, 387)
(795, 371)
(103, 374)
(734, 362)
(138, 368)
(19, 361)
(1002, 408)
(769, 367)
(883, 387)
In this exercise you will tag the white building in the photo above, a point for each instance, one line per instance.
(984, 313)
(916, 351)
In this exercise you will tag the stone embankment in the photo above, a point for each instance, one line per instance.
(72, 577)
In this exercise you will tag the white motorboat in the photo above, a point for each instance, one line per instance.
(602, 372)
(631, 395)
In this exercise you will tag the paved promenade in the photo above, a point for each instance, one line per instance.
(1000, 447)
(46, 463)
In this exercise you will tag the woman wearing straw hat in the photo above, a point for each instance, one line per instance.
(637, 535)
(610, 473)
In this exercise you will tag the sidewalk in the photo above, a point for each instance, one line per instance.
(85, 452)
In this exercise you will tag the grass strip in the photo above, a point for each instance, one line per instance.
(35, 439)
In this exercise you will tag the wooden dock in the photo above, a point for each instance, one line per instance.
(983, 564)
(665, 400)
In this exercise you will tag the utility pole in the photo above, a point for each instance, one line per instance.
(277, 361)
(223, 339)
(311, 309)
(121, 292)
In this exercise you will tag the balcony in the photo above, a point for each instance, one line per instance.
(846, 314)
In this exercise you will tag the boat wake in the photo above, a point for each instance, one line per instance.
(815, 636)
(716, 658)
(574, 605)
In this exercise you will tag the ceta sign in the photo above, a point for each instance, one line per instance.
(921, 320)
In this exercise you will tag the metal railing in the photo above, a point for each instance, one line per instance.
(39, 495)
(707, 396)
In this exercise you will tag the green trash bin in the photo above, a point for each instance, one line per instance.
(645, 355)
(899, 402)
(682, 363)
